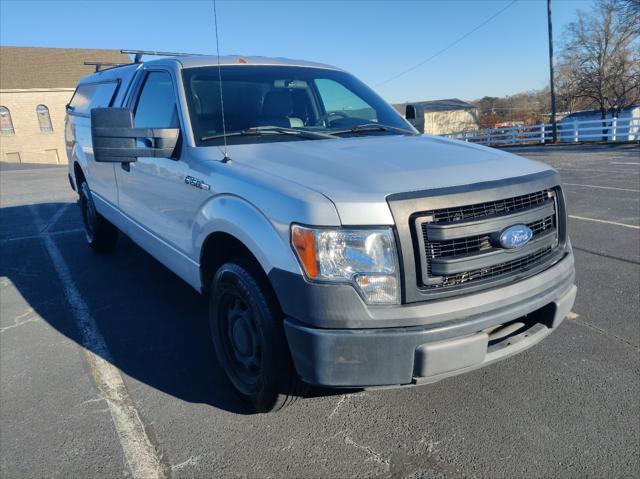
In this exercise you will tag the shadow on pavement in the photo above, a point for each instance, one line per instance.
(154, 324)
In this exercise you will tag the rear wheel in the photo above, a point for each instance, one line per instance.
(247, 331)
(101, 235)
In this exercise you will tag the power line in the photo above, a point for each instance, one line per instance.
(451, 45)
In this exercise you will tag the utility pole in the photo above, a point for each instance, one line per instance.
(551, 82)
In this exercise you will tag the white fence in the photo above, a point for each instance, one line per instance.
(608, 130)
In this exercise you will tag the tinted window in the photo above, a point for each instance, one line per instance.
(103, 94)
(156, 106)
(92, 95)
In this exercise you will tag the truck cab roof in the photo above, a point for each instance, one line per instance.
(195, 61)
(212, 60)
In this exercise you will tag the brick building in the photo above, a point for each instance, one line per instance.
(35, 86)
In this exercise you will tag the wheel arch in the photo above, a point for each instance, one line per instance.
(77, 164)
(78, 174)
(220, 248)
(229, 227)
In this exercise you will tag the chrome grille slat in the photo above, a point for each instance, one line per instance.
(463, 213)
(518, 265)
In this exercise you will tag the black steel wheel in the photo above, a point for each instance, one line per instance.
(241, 346)
(101, 235)
(247, 332)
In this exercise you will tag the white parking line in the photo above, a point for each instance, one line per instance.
(139, 452)
(54, 219)
(628, 163)
(39, 236)
(604, 221)
(603, 187)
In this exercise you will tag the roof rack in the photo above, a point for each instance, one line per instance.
(140, 53)
(99, 65)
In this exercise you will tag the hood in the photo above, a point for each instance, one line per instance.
(358, 173)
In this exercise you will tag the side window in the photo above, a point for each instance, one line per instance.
(338, 98)
(81, 99)
(156, 106)
(44, 118)
(103, 94)
(92, 95)
(6, 125)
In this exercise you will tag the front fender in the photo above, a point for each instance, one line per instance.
(267, 241)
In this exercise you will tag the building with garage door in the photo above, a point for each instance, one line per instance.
(35, 86)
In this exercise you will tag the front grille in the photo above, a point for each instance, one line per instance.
(464, 213)
(453, 250)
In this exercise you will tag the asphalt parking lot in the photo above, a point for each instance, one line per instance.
(569, 407)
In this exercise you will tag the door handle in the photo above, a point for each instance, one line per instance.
(125, 166)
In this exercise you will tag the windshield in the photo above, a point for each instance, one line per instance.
(298, 98)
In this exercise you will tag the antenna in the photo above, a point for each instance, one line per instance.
(226, 159)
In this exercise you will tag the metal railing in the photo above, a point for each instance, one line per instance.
(569, 131)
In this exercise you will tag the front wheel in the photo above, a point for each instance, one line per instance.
(248, 335)
(101, 235)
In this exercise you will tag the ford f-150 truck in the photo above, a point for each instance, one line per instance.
(336, 246)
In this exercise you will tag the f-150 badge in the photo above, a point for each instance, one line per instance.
(190, 180)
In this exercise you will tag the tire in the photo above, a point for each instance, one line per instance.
(248, 335)
(101, 235)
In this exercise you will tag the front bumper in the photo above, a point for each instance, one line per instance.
(431, 351)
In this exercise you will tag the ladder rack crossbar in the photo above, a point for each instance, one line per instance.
(99, 65)
(140, 53)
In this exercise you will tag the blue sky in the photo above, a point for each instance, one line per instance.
(373, 39)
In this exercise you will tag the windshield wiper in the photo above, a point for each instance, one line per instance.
(270, 130)
(367, 127)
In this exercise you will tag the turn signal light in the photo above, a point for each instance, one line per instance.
(304, 243)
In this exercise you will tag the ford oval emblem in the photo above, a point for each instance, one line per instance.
(515, 236)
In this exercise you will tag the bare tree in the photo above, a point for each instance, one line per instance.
(528, 107)
(600, 61)
(567, 97)
(629, 10)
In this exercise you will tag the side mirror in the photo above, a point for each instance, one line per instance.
(414, 114)
(114, 137)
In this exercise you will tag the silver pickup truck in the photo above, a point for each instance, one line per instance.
(336, 245)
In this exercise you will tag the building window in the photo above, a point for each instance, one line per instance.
(6, 125)
(44, 119)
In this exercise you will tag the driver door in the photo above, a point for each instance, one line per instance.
(152, 191)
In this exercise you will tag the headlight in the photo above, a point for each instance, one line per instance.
(364, 257)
